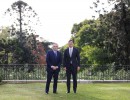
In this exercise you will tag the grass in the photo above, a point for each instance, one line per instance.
(35, 91)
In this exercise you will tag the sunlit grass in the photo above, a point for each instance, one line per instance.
(35, 91)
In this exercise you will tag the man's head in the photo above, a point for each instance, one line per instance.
(71, 43)
(55, 47)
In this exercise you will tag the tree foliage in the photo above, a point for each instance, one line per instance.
(22, 44)
(105, 40)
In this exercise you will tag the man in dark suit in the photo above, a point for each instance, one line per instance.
(53, 60)
(71, 64)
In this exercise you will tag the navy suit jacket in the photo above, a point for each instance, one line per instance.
(53, 60)
(75, 58)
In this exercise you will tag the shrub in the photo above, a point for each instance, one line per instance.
(0, 77)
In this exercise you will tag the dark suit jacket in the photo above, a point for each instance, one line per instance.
(75, 58)
(51, 60)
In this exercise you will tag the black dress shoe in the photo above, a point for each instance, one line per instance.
(67, 92)
(74, 90)
(55, 92)
(46, 92)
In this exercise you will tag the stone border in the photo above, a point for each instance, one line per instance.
(64, 81)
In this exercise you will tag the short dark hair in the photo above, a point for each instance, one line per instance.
(71, 40)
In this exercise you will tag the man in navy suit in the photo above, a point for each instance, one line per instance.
(71, 64)
(53, 60)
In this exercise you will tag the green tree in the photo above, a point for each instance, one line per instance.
(116, 25)
(5, 46)
(21, 30)
(90, 42)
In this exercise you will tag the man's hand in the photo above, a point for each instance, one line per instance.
(54, 67)
(65, 68)
(78, 68)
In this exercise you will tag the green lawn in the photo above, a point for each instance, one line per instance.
(35, 91)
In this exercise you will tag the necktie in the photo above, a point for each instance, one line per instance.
(55, 52)
(70, 52)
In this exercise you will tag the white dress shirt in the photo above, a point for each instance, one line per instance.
(70, 51)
